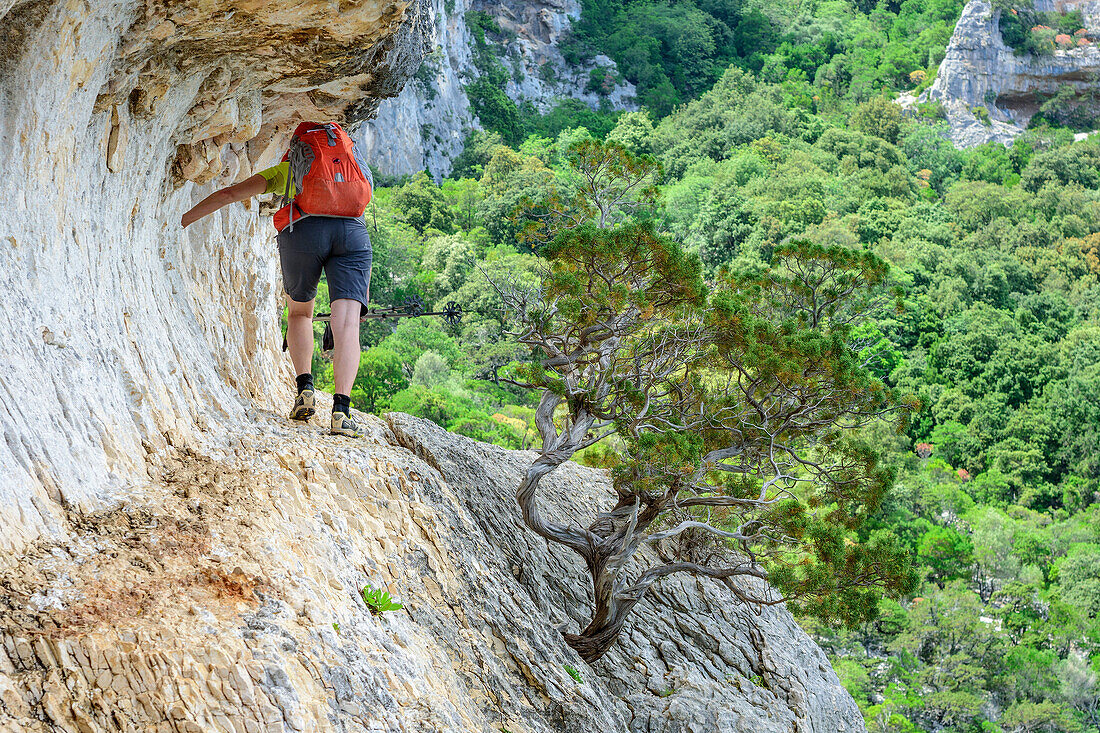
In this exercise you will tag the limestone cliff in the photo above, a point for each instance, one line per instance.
(122, 331)
(175, 556)
(424, 127)
(979, 70)
(223, 596)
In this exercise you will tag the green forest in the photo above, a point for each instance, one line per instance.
(774, 121)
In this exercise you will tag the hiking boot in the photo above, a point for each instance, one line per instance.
(344, 425)
(304, 406)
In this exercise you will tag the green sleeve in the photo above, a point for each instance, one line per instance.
(276, 177)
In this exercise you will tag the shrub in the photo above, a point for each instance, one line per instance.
(574, 674)
(430, 370)
(567, 114)
(422, 206)
(479, 24)
(880, 117)
(380, 377)
(495, 110)
(601, 80)
(1075, 164)
(932, 110)
(1027, 31)
(379, 600)
(476, 152)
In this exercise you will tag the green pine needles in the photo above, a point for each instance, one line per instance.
(379, 600)
(731, 409)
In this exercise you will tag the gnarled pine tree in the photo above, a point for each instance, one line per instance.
(734, 407)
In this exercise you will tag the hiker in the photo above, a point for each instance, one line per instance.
(325, 186)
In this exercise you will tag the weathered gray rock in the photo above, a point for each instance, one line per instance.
(424, 128)
(979, 70)
(540, 74)
(176, 556)
(224, 595)
(691, 658)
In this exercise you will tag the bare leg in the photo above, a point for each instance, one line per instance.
(345, 337)
(299, 335)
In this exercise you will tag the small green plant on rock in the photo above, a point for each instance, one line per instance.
(379, 600)
(574, 673)
(932, 110)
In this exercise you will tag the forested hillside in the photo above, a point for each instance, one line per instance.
(675, 51)
(776, 121)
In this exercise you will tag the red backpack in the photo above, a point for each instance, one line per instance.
(330, 175)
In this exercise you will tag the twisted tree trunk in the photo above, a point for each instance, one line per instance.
(612, 599)
(610, 610)
(608, 616)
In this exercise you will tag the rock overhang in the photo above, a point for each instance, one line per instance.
(115, 116)
(146, 463)
(980, 71)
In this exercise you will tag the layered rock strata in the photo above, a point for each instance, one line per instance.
(226, 597)
(980, 71)
(175, 556)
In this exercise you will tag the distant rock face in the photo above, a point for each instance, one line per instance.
(174, 555)
(541, 74)
(424, 128)
(979, 70)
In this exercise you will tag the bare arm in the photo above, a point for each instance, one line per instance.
(246, 189)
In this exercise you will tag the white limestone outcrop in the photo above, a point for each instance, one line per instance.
(426, 125)
(225, 596)
(174, 554)
(124, 332)
(979, 70)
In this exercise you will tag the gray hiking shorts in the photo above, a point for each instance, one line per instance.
(340, 247)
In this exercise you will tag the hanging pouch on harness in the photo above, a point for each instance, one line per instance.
(329, 174)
